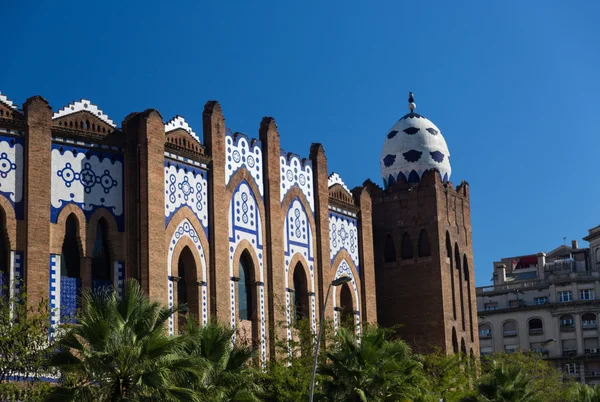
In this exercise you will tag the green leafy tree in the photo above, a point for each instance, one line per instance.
(449, 377)
(372, 368)
(226, 370)
(119, 351)
(585, 393)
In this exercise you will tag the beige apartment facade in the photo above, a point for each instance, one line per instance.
(546, 303)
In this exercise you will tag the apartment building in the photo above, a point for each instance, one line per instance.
(546, 303)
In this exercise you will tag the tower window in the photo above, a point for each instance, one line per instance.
(424, 246)
(389, 254)
(407, 249)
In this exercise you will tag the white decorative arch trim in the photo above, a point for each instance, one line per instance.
(345, 270)
(178, 122)
(84, 105)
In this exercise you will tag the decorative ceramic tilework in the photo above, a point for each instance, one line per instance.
(246, 153)
(11, 172)
(335, 178)
(343, 235)
(88, 179)
(245, 224)
(414, 145)
(69, 291)
(296, 172)
(186, 186)
(186, 229)
(178, 122)
(119, 277)
(345, 270)
(84, 105)
(54, 290)
(298, 237)
(7, 101)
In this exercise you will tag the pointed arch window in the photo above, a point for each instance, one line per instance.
(187, 286)
(70, 271)
(101, 262)
(389, 253)
(245, 301)
(406, 251)
(300, 302)
(424, 246)
(450, 266)
(347, 310)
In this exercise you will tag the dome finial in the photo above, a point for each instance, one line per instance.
(411, 102)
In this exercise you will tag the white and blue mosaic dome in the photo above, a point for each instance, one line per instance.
(412, 146)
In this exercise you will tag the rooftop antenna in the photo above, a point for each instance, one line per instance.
(411, 102)
(564, 241)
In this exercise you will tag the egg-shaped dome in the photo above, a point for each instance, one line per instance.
(412, 146)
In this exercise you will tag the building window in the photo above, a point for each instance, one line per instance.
(406, 250)
(590, 346)
(101, 263)
(300, 301)
(540, 300)
(586, 294)
(511, 348)
(490, 306)
(485, 331)
(588, 320)
(245, 305)
(484, 351)
(565, 296)
(424, 247)
(509, 329)
(571, 368)
(569, 347)
(567, 323)
(536, 327)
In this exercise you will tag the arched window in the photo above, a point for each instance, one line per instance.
(187, 287)
(457, 260)
(301, 302)
(70, 271)
(567, 323)
(588, 321)
(424, 247)
(101, 263)
(389, 254)
(406, 251)
(469, 296)
(245, 300)
(454, 341)
(451, 271)
(509, 329)
(536, 326)
(485, 331)
(346, 306)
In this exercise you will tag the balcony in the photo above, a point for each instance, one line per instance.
(592, 374)
(510, 334)
(569, 352)
(536, 331)
(543, 352)
(567, 328)
(589, 324)
(485, 334)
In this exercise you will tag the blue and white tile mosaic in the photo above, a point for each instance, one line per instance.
(244, 153)
(245, 224)
(343, 235)
(344, 270)
(119, 278)
(186, 229)
(296, 172)
(186, 186)
(54, 290)
(298, 236)
(88, 179)
(11, 172)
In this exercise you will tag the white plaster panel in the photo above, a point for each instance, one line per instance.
(296, 172)
(243, 153)
(11, 169)
(334, 179)
(186, 186)
(343, 235)
(89, 182)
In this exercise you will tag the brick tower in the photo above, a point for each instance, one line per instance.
(422, 241)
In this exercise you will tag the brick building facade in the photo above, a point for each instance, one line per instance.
(233, 226)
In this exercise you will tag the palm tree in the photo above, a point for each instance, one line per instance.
(585, 393)
(119, 351)
(371, 368)
(505, 383)
(227, 373)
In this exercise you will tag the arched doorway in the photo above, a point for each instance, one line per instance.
(246, 300)
(346, 308)
(101, 261)
(70, 271)
(187, 287)
(300, 295)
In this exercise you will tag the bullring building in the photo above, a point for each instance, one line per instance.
(233, 226)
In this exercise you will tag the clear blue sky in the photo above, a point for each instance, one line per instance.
(513, 85)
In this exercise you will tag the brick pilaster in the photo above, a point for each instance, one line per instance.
(367, 261)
